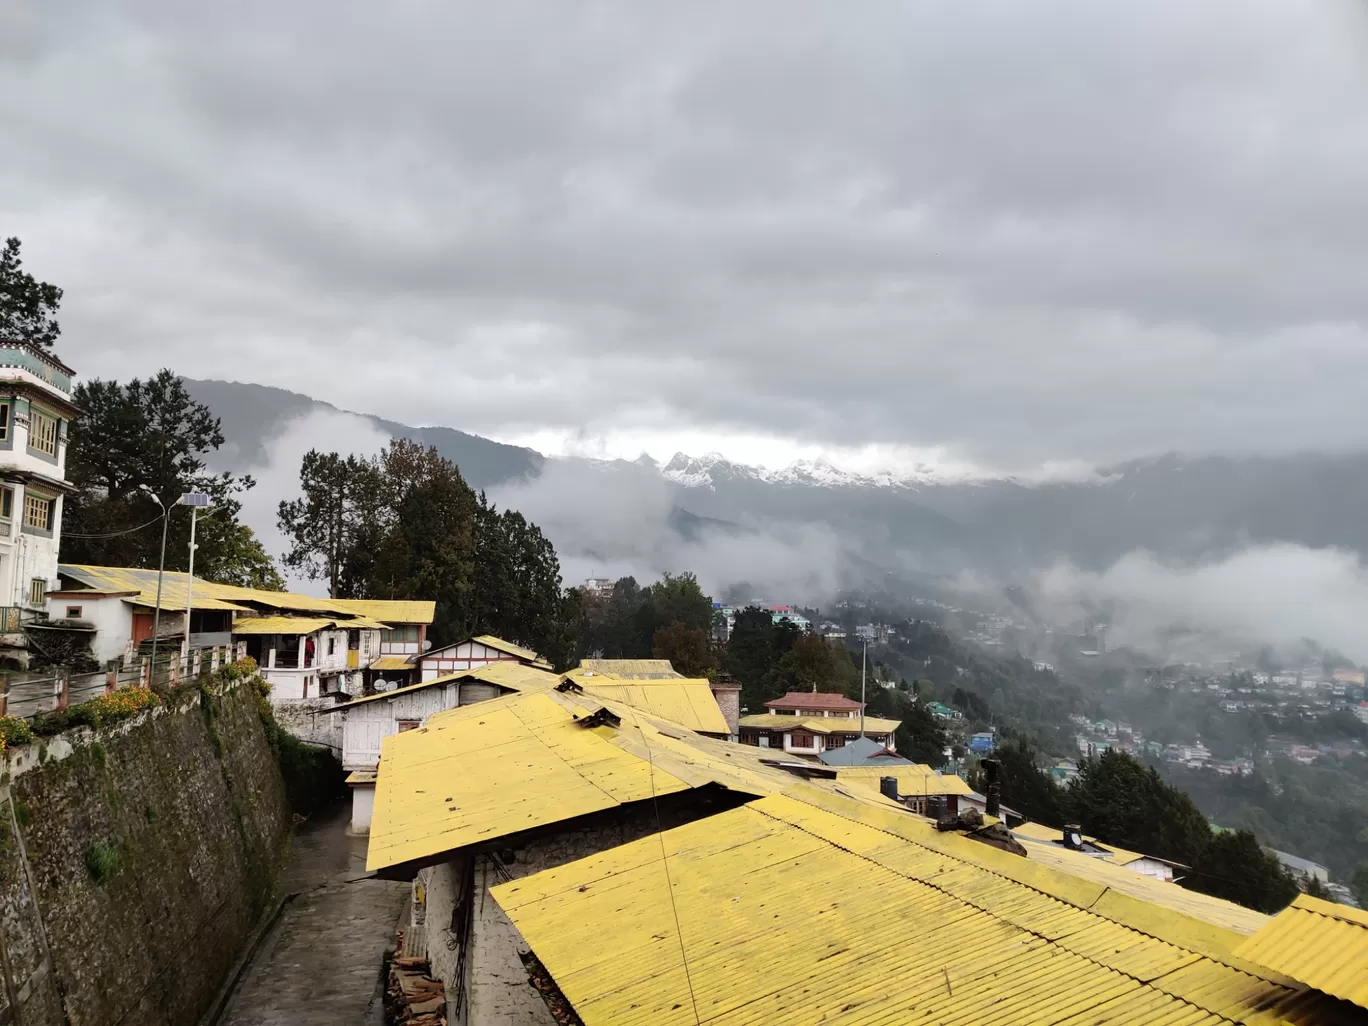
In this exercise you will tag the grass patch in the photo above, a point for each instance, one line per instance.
(102, 860)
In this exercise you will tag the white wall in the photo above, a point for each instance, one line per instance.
(363, 807)
(468, 655)
(367, 725)
(112, 617)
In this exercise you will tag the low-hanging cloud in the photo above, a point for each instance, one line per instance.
(1274, 595)
(613, 521)
(277, 479)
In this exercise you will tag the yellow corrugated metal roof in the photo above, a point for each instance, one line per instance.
(1041, 832)
(141, 586)
(1318, 943)
(280, 625)
(631, 669)
(480, 772)
(784, 912)
(687, 702)
(821, 724)
(507, 647)
(388, 611)
(495, 794)
(912, 780)
(513, 676)
(391, 662)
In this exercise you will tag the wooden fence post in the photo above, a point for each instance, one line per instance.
(63, 689)
(111, 681)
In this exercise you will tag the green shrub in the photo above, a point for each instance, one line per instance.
(102, 860)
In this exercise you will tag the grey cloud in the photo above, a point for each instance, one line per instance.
(612, 522)
(1262, 595)
(1022, 233)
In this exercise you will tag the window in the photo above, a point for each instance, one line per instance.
(6, 503)
(43, 433)
(38, 512)
(73, 612)
(408, 725)
(37, 591)
(4, 421)
(332, 644)
(409, 633)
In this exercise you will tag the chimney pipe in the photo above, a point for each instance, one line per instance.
(888, 787)
(994, 803)
(1073, 836)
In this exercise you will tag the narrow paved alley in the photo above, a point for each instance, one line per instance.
(320, 964)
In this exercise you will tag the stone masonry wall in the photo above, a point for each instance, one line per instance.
(135, 861)
(309, 720)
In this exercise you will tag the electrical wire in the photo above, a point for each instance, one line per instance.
(112, 534)
(669, 884)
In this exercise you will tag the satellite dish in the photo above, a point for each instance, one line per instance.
(426, 645)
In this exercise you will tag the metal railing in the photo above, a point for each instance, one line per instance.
(28, 697)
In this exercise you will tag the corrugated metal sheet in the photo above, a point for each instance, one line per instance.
(509, 675)
(820, 724)
(391, 662)
(690, 703)
(485, 771)
(630, 669)
(508, 648)
(788, 913)
(522, 761)
(281, 625)
(1041, 832)
(1319, 943)
(141, 588)
(912, 780)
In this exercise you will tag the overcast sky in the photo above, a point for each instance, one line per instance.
(991, 233)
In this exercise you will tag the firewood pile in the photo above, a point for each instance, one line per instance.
(413, 997)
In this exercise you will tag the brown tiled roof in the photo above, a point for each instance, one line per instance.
(813, 700)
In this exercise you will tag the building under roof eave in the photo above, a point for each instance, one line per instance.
(862, 752)
(805, 908)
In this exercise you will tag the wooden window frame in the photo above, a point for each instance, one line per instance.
(6, 503)
(6, 419)
(38, 591)
(37, 417)
(33, 502)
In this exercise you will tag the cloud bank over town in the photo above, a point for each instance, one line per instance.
(1002, 235)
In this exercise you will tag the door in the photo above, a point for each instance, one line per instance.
(142, 627)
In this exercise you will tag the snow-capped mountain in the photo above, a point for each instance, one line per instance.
(709, 470)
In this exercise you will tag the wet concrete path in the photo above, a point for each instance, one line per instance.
(320, 964)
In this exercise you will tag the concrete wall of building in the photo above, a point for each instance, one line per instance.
(112, 617)
(367, 726)
(186, 808)
(496, 987)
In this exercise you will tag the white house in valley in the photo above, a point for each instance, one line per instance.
(35, 419)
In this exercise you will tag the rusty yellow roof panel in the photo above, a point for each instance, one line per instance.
(389, 611)
(391, 662)
(820, 724)
(912, 780)
(1050, 835)
(281, 625)
(139, 587)
(630, 669)
(492, 769)
(689, 703)
(783, 912)
(513, 676)
(508, 648)
(1319, 943)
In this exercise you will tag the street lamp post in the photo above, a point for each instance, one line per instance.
(161, 569)
(196, 501)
